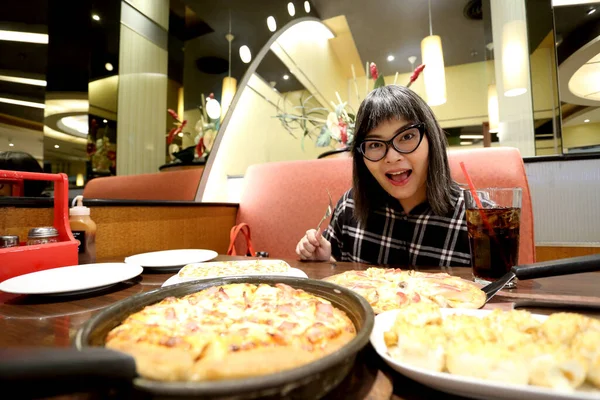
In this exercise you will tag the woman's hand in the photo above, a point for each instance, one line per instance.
(313, 246)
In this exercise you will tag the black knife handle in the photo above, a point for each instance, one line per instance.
(565, 266)
(42, 372)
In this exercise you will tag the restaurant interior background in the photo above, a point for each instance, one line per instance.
(85, 89)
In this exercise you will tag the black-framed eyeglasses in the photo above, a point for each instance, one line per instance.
(405, 141)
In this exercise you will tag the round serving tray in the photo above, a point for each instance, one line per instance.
(312, 380)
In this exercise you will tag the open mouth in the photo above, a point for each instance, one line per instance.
(399, 177)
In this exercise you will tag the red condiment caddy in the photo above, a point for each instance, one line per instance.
(21, 260)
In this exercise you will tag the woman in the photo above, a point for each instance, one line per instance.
(21, 161)
(403, 208)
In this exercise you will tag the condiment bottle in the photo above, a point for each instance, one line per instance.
(84, 230)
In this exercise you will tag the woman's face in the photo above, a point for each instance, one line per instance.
(403, 176)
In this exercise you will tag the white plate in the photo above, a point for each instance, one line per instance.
(295, 272)
(171, 258)
(71, 280)
(466, 386)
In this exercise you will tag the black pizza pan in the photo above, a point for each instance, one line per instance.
(90, 359)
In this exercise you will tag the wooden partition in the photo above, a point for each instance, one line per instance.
(129, 229)
(124, 230)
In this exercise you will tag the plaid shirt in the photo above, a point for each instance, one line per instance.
(391, 236)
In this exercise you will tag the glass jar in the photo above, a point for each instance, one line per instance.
(42, 235)
(9, 241)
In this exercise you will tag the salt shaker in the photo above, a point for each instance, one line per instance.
(42, 235)
(9, 241)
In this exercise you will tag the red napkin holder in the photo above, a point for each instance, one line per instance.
(21, 260)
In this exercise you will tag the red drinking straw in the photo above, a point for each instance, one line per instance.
(472, 187)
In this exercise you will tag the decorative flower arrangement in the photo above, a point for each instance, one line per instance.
(337, 126)
(206, 129)
(101, 152)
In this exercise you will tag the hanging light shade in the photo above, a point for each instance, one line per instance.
(227, 93)
(493, 112)
(515, 60)
(434, 74)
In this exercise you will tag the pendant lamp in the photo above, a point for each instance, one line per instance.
(515, 57)
(229, 84)
(434, 74)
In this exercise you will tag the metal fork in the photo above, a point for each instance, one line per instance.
(327, 212)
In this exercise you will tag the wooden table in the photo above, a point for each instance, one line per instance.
(53, 321)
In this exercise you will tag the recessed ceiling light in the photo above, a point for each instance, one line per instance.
(105, 121)
(591, 11)
(245, 54)
(286, 77)
(56, 146)
(307, 7)
(272, 24)
(586, 120)
(25, 81)
(291, 9)
(95, 17)
(11, 144)
(390, 58)
(108, 66)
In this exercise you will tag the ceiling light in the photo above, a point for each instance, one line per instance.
(390, 58)
(471, 136)
(22, 103)
(56, 146)
(95, 17)
(591, 11)
(180, 134)
(108, 66)
(434, 76)
(515, 59)
(291, 9)
(105, 121)
(78, 123)
(25, 81)
(586, 120)
(79, 180)
(272, 24)
(307, 7)
(27, 37)
(11, 144)
(213, 108)
(465, 143)
(245, 54)
(493, 109)
(286, 77)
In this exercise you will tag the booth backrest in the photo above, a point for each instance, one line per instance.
(174, 185)
(282, 200)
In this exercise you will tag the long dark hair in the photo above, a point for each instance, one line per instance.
(21, 161)
(391, 103)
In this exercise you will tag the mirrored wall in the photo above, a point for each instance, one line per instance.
(114, 87)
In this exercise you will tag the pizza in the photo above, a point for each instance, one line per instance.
(388, 288)
(560, 352)
(229, 268)
(231, 331)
